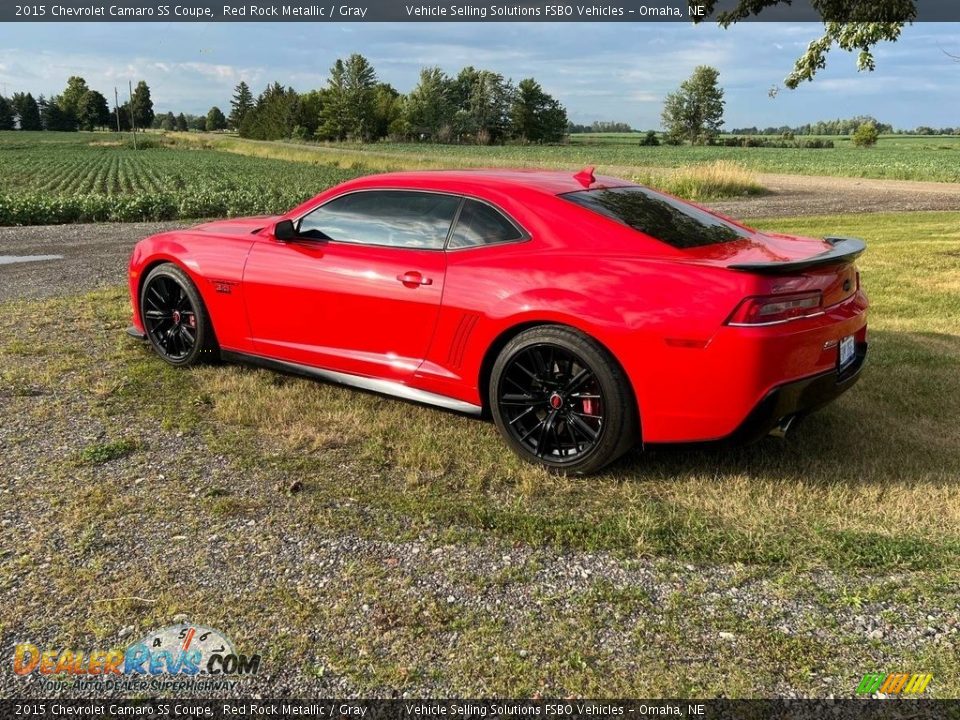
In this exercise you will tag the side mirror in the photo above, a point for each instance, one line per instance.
(284, 230)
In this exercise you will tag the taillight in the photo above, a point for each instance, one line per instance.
(773, 309)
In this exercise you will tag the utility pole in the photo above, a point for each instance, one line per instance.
(133, 123)
(116, 107)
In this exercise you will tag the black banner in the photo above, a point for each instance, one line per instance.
(438, 11)
(915, 709)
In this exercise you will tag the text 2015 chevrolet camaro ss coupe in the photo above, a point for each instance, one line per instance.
(584, 313)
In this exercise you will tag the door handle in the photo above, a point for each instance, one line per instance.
(414, 278)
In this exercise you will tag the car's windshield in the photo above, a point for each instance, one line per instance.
(659, 216)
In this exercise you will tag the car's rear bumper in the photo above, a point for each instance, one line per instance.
(797, 398)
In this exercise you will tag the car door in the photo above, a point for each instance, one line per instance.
(359, 289)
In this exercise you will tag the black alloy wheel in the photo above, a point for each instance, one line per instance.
(561, 400)
(174, 316)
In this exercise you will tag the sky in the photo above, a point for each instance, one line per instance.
(599, 71)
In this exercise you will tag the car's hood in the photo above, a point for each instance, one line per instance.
(236, 226)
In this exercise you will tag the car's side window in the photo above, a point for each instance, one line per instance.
(480, 224)
(394, 218)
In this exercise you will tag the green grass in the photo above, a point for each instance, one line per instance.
(99, 453)
(842, 492)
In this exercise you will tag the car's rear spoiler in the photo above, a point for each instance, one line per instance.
(843, 249)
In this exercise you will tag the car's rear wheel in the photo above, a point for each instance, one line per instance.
(561, 400)
(175, 318)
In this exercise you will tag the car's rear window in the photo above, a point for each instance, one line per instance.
(659, 216)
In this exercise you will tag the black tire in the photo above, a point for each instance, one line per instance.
(175, 319)
(561, 400)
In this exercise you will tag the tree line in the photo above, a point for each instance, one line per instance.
(474, 106)
(78, 107)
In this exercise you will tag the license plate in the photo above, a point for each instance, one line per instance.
(848, 350)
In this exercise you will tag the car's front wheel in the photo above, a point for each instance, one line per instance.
(560, 399)
(174, 317)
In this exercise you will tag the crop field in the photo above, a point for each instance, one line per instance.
(50, 178)
(89, 177)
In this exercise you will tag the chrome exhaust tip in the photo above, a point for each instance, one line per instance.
(784, 425)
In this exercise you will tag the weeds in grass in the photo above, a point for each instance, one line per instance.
(712, 181)
(99, 453)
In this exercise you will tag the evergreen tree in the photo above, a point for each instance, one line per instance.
(6, 114)
(360, 81)
(334, 117)
(181, 123)
(240, 105)
(27, 110)
(429, 106)
(54, 117)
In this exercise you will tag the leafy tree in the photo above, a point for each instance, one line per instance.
(866, 135)
(216, 120)
(181, 123)
(142, 105)
(169, 122)
(852, 25)
(486, 99)
(695, 111)
(240, 105)
(199, 123)
(6, 114)
(535, 115)
(72, 96)
(92, 110)
(27, 110)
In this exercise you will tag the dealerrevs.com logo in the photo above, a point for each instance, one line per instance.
(184, 651)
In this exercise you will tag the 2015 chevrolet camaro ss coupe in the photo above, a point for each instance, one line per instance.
(583, 313)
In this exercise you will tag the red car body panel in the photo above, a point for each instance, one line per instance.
(661, 311)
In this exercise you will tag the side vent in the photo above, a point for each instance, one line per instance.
(458, 344)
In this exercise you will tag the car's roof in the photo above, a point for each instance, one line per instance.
(553, 182)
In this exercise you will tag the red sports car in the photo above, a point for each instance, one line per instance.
(582, 313)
